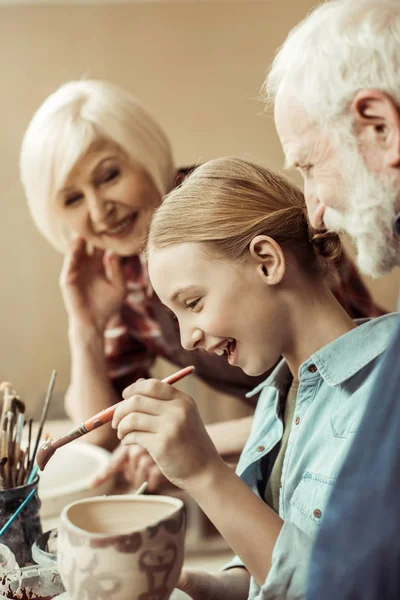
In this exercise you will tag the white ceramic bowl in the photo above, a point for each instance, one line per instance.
(68, 477)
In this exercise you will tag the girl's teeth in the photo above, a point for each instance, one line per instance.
(219, 351)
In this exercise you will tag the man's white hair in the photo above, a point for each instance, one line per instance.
(342, 46)
(70, 120)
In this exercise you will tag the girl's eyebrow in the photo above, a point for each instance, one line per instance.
(180, 291)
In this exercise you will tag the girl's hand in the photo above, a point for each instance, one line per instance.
(136, 466)
(92, 286)
(227, 585)
(199, 585)
(167, 424)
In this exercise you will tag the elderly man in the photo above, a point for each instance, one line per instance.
(335, 85)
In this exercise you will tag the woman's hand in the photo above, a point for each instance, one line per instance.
(92, 286)
(136, 465)
(167, 423)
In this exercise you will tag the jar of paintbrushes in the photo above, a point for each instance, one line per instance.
(19, 501)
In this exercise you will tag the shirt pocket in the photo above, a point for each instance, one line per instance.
(349, 409)
(309, 501)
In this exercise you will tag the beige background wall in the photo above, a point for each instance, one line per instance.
(197, 66)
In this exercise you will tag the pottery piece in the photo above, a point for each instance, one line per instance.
(69, 475)
(121, 547)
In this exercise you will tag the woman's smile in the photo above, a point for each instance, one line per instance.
(122, 227)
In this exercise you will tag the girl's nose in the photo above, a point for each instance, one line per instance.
(191, 339)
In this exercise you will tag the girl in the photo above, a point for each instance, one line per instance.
(231, 254)
(95, 164)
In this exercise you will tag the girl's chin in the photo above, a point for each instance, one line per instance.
(260, 369)
(251, 371)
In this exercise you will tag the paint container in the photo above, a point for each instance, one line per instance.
(24, 530)
(7, 561)
(38, 582)
(44, 550)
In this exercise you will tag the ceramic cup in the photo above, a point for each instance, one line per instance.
(121, 547)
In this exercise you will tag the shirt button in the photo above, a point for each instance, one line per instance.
(260, 448)
(312, 368)
(297, 421)
(317, 513)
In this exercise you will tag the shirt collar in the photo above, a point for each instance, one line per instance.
(341, 359)
(351, 352)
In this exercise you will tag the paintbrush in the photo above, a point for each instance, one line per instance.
(28, 450)
(10, 447)
(47, 450)
(3, 476)
(43, 419)
(6, 388)
(19, 407)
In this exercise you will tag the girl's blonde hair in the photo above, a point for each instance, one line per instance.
(66, 125)
(227, 202)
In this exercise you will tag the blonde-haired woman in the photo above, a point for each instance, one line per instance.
(251, 286)
(95, 164)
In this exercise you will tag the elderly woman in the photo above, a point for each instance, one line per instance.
(95, 165)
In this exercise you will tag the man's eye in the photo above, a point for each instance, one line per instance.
(73, 199)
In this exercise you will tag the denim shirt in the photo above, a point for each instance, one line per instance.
(334, 387)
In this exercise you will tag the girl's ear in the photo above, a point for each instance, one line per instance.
(268, 255)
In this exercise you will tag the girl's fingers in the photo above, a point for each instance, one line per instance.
(141, 438)
(134, 422)
(137, 404)
(154, 388)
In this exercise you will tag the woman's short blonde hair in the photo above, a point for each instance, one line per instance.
(227, 202)
(70, 120)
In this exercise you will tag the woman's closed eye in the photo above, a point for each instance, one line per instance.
(72, 199)
(110, 175)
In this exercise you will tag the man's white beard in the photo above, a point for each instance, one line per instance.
(369, 216)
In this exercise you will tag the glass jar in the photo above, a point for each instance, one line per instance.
(24, 530)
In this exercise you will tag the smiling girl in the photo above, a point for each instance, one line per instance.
(95, 165)
(231, 253)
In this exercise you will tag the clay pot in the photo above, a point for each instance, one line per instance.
(121, 547)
